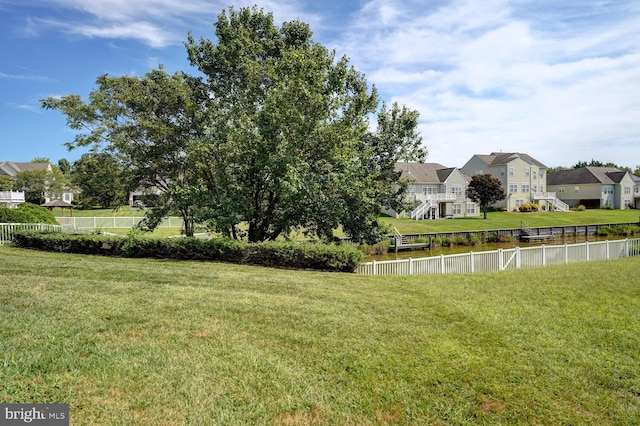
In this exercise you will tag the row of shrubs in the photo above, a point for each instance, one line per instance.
(623, 231)
(299, 255)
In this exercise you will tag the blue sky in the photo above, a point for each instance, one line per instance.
(556, 79)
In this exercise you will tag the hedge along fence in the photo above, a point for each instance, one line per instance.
(298, 255)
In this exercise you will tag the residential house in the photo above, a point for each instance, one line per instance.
(636, 190)
(594, 187)
(523, 178)
(438, 191)
(11, 169)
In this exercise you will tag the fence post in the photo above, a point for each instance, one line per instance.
(472, 260)
(442, 263)
(544, 255)
(518, 264)
(587, 250)
(375, 270)
(500, 260)
(607, 249)
(626, 247)
(410, 266)
(566, 253)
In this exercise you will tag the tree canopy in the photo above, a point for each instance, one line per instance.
(271, 136)
(485, 190)
(101, 180)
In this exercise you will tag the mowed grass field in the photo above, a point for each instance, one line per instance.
(495, 220)
(127, 341)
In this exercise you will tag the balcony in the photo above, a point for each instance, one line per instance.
(544, 195)
(11, 198)
(437, 198)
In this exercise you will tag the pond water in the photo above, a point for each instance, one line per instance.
(415, 254)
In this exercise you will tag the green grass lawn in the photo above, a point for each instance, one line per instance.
(127, 341)
(495, 220)
(509, 220)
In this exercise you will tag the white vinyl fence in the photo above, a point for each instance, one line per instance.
(7, 229)
(113, 222)
(504, 259)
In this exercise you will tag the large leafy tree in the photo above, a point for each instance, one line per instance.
(37, 184)
(485, 190)
(289, 144)
(275, 134)
(101, 180)
(7, 183)
(147, 125)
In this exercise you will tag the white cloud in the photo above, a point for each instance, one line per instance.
(508, 75)
(156, 23)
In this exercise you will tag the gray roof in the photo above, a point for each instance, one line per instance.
(503, 158)
(425, 172)
(586, 175)
(12, 168)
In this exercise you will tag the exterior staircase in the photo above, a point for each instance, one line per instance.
(422, 209)
(559, 205)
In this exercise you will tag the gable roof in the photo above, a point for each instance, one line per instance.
(586, 175)
(425, 172)
(12, 168)
(503, 158)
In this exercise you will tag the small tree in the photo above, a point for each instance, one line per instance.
(485, 190)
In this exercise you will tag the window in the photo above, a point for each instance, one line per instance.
(607, 189)
(527, 171)
(535, 175)
(471, 208)
(561, 189)
(525, 187)
(510, 171)
(541, 188)
(541, 174)
(456, 209)
(513, 188)
(627, 204)
(627, 190)
(519, 203)
(535, 188)
(457, 190)
(576, 189)
(608, 202)
(429, 190)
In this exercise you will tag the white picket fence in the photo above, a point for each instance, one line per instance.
(505, 259)
(7, 229)
(113, 222)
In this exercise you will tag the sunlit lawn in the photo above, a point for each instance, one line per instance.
(128, 341)
(495, 220)
(508, 220)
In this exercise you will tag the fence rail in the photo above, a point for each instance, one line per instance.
(113, 222)
(7, 229)
(505, 259)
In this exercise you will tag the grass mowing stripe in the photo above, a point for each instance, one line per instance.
(147, 341)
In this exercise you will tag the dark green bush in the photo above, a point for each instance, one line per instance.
(27, 213)
(69, 243)
(328, 257)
